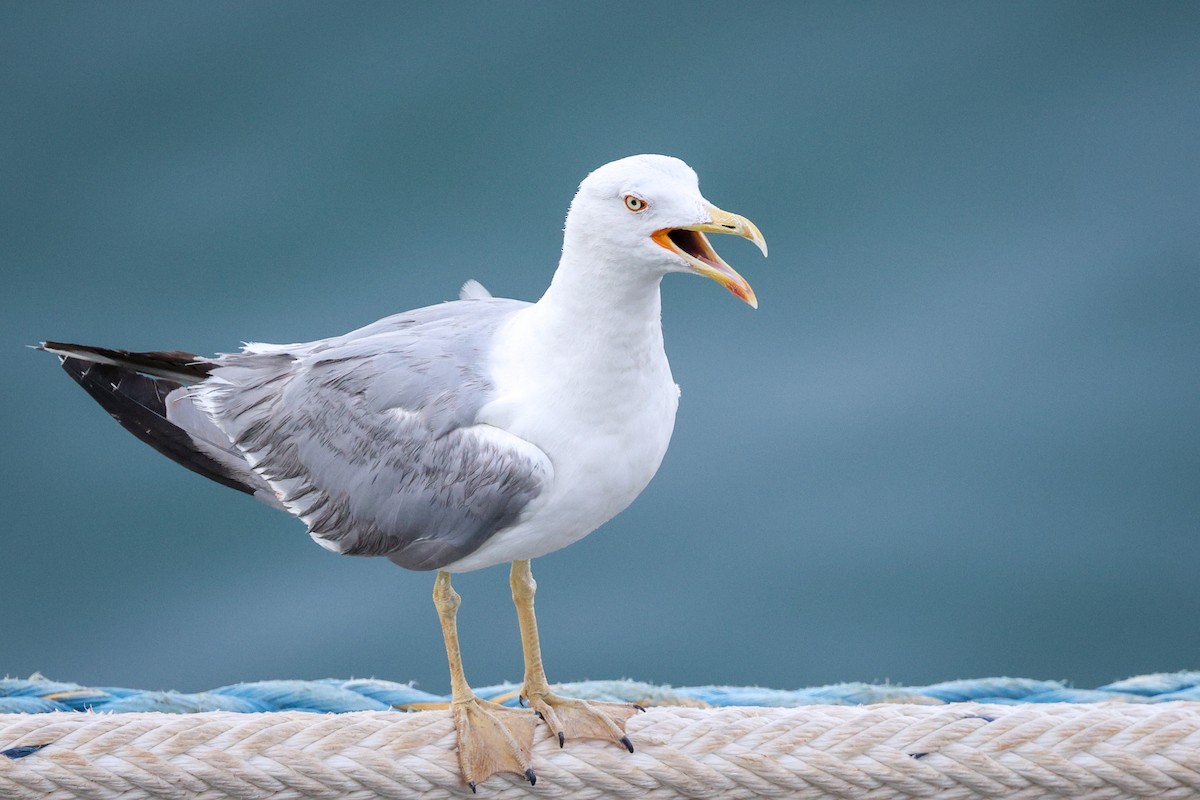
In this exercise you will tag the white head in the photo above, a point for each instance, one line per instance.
(646, 213)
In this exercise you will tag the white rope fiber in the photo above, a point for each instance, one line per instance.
(961, 750)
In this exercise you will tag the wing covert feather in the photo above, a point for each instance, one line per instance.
(370, 439)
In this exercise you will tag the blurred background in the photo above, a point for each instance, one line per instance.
(960, 438)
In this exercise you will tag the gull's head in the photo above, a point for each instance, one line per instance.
(646, 213)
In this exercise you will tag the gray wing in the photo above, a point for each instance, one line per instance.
(366, 437)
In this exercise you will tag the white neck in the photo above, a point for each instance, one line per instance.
(601, 305)
(593, 343)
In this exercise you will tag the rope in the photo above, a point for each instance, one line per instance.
(1106, 749)
(38, 694)
(1109, 750)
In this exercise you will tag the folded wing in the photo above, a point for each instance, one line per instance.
(371, 439)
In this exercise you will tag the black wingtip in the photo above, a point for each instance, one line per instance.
(174, 365)
(138, 403)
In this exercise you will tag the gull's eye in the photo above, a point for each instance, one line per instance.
(635, 204)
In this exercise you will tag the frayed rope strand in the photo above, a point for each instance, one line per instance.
(1136, 738)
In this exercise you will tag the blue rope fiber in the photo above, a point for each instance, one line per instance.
(38, 695)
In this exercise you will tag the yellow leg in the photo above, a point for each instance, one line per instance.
(491, 738)
(581, 719)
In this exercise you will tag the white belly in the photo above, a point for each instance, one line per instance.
(604, 426)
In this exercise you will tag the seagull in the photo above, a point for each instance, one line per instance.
(463, 435)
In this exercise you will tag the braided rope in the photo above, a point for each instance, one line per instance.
(1120, 741)
(962, 750)
(38, 694)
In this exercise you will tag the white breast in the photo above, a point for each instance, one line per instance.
(601, 408)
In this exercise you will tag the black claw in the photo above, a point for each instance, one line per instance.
(472, 785)
(521, 701)
(639, 708)
(562, 740)
(529, 776)
(628, 744)
(543, 719)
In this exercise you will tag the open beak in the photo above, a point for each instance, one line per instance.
(690, 244)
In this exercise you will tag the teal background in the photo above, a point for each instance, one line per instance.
(961, 436)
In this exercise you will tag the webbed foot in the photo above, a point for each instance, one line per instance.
(569, 718)
(491, 739)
